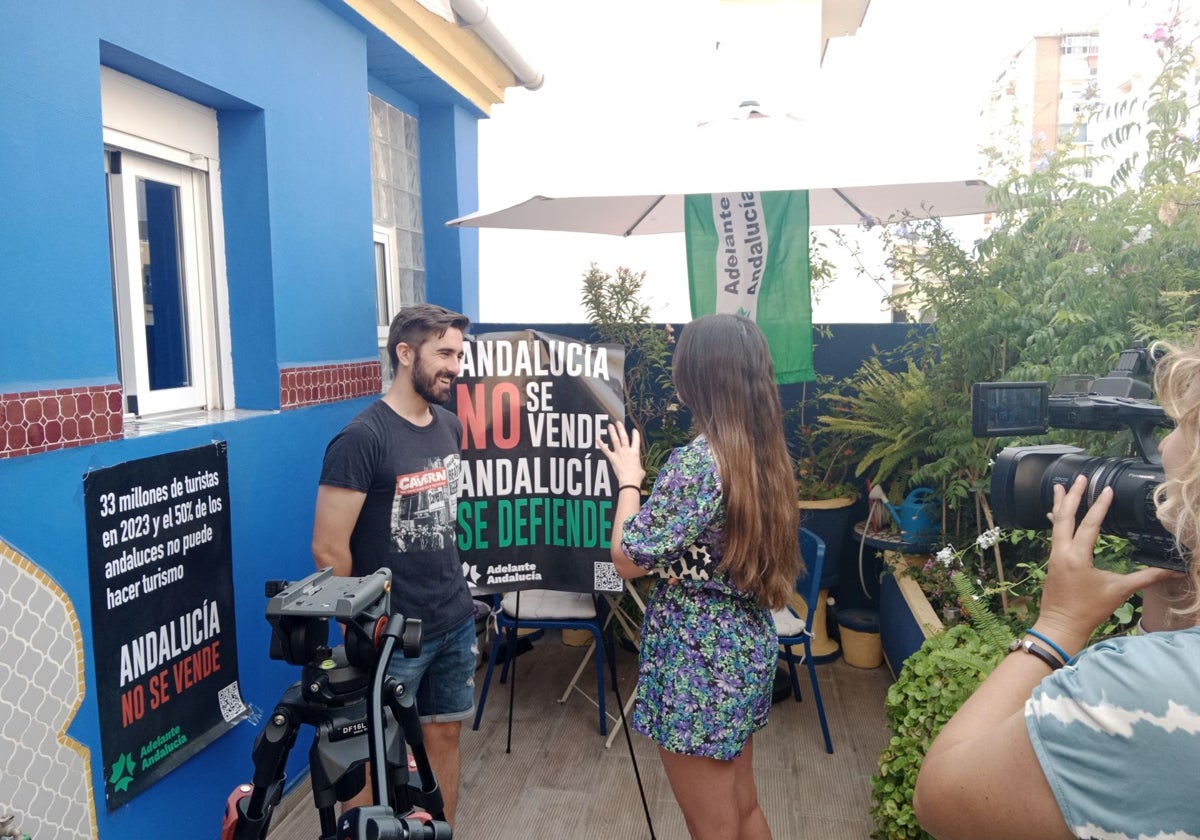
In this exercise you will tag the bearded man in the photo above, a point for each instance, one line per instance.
(394, 470)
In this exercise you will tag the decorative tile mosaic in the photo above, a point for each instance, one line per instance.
(45, 420)
(316, 384)
(42, 421)
(46, 780)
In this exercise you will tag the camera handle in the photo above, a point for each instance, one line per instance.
(404, 710)
(1145, 442)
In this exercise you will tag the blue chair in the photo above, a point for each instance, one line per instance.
(796, 631)
(544, 609)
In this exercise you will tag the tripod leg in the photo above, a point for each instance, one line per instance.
(253, 812)
(405, 710)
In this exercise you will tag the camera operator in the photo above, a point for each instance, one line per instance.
(392, 473)
(1062, 742)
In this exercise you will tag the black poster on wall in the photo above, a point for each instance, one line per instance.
(537, 495)
(163, 634)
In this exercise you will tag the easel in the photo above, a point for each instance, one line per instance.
(632, 628)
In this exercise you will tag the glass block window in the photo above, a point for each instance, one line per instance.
(396, 201)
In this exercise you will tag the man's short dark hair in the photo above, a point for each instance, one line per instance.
(416, 324)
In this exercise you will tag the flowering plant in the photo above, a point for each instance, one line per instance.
(936, 575)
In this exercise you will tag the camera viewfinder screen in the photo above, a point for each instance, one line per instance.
(1009, 408)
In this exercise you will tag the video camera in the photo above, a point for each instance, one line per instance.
(1024, 477)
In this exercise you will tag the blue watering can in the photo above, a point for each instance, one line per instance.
(918, 517)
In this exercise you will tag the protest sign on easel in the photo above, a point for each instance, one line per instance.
(537, 497)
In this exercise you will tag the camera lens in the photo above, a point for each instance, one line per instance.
(1022, 494)
(1132, 481)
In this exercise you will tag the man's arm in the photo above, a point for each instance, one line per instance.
(337, 513)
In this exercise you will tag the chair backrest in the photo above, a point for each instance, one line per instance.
(808, 584)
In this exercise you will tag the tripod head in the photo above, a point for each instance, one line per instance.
(299, 614)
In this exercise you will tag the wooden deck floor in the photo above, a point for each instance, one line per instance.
(560, 781)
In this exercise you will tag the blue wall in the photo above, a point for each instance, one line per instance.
(289, 82)
(274, 463)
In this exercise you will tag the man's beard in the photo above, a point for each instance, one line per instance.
(424, 384)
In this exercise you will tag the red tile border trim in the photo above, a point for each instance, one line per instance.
(317, 384)
(58, 418)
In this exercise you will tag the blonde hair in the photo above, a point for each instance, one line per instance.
(1177, 499)
(723, 373)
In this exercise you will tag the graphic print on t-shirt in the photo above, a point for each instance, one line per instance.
(424, 507)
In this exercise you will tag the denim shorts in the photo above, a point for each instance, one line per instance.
(444, 674)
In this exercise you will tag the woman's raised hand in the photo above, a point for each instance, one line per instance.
(624, 452)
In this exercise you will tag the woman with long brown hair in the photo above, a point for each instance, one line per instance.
(720, 529)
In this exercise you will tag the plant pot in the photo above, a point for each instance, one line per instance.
(824, 504)
(829, 519)
(906, 618)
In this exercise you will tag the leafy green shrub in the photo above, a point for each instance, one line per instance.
(934, 682)
(618, 316)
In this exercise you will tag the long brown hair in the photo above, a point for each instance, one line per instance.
(723, 373)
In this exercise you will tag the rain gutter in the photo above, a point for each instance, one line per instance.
(473, 15)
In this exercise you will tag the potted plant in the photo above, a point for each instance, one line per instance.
(890, 417)
(617, 315)
(826, 488)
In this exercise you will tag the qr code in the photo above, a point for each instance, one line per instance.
(230, 699)
(605, 578)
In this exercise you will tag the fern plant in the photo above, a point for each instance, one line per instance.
(890, 416)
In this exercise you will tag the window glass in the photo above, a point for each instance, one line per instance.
(164, 223)
(396, 209)
(396, 197)
(163, 292)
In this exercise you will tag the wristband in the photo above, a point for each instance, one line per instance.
(1035, 650)
(629, 487)
(1062, 654)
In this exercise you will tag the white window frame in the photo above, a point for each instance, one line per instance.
(170, 139)
(385, 237)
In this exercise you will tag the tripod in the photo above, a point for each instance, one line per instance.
(345, 705)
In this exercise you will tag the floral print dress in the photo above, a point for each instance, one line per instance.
(708, 651)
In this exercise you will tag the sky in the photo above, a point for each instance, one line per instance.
(900, 101)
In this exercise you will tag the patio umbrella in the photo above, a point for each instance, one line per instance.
(630, 215)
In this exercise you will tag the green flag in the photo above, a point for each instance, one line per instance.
(747, 254)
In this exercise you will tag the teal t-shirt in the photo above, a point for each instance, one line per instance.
(1117, 733)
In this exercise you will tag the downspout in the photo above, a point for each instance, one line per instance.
(473, 15)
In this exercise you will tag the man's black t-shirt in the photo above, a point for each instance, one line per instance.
(411, 475)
